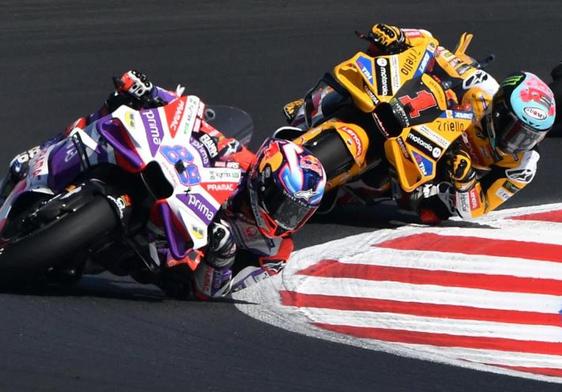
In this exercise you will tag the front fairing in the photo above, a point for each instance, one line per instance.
(171, 136)
(372, 80)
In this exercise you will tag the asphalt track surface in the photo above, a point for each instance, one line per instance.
(112, 334)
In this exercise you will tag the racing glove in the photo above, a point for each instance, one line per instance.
(461, 172)
(291, 109)
(132, 89)
(388, 39)
(133, 83)
(222, 248)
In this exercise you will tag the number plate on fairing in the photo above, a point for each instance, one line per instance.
(165, 135)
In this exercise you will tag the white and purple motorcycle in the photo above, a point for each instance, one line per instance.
(123, 194)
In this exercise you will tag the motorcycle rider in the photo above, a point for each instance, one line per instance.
(283, 187)
(496, 156)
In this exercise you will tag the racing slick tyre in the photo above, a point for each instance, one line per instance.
(51, 244)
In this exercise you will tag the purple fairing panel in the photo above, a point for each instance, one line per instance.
(65, 163)
(154, 130)
(112, 131)
(164, 95)
(177, 243)
(199, 206)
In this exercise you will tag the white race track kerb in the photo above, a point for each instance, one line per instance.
(485, 295)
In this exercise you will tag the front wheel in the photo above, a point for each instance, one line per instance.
(52, 243)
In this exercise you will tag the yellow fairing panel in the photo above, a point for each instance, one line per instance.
(372, 80)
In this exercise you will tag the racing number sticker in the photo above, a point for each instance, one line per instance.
(174, 154)
(424, 100)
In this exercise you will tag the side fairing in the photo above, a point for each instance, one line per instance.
(165, 135)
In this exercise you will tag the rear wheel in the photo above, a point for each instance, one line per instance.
(51, 235)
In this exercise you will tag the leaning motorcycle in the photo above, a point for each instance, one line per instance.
(120, 193)
(384, 116)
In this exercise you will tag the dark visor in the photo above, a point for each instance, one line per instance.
(287, 211)
(516, 136)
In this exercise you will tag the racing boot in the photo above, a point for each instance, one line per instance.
(211, 282)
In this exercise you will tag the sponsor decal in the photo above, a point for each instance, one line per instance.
(417, 140)
(223, 175)
(436, 138)
(382, 62)
(402, 146)
(380, 125)
(450, 126)
(366, 67)
(221, 191)
(202, 151)
(153, 127)
(512, 80)
(423, 64)
(192, 107)
(412, 33)
(199, 206)
(209, 145)
(197, 232)
(70, 152)
(130, 119)
(474, 198)
(409, 63)
(394, 72)
(355, 138)
(40, 163)
(463, 204)
(232, 146)
(425, 165)
(176, 118)
(475, 79)
(227, 164)
(399, 111)
(436, 153)
(463, 115)
(526, 171)
(503, 194)
(520, 175)
(383, 77)
(536, 113)
(121, 202)
(221, 187)
(371, 94)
